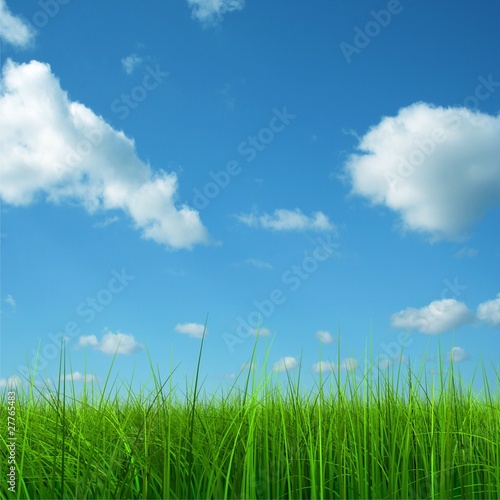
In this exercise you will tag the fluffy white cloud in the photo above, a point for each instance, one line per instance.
(457, 355)
(191, 329)
(286, 363)
(111, 343)
(211, 12)
(58, 149)
(78, 377)
(438, 317)
(288, 220)
(324, 337)
(438, 168)
(131, 62)
(490, 311)
(247, 366)
(13, 29)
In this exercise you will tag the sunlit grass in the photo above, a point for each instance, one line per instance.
(385, 435)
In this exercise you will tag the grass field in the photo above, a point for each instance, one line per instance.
(393, 436)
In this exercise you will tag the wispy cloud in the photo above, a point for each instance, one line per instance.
(131, 62)
(106, 222)
(288, 220)
(406, 163)
(490, 311)
(11, 301)
(211, 12)
(439, 316)
(13, 29)
(194, 330)
(325, 337)
(457, 355)
(61, 150)
(111, 343)
(284, 364)
(259, 264)
(466, 252)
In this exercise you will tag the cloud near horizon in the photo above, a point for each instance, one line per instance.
(288, 220)
(57, 150)
(285, 364)
(111, 343)
(439, 316)
(406, 163)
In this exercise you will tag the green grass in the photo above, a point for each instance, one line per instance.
(391, 436)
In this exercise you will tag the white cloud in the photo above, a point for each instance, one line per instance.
(59, 150)
(288, 220)
(325, 337)
(78, 377)
(11, 382)
(406, 163)
(262, 332)
(349, 364)
(466, 252)
(106, 222)
(131, 62)
(111, 343)
(191, 329)
(438, 317)
(247, 366)
(323, 367)
(211, 12)
(490, 311)
(13, 29)
(11, 301)
(259, 264)
(387, 362)
(286, 363)
(457, 355)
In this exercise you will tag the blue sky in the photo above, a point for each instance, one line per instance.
(328, 171)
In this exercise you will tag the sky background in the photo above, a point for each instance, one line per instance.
(325, 171)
